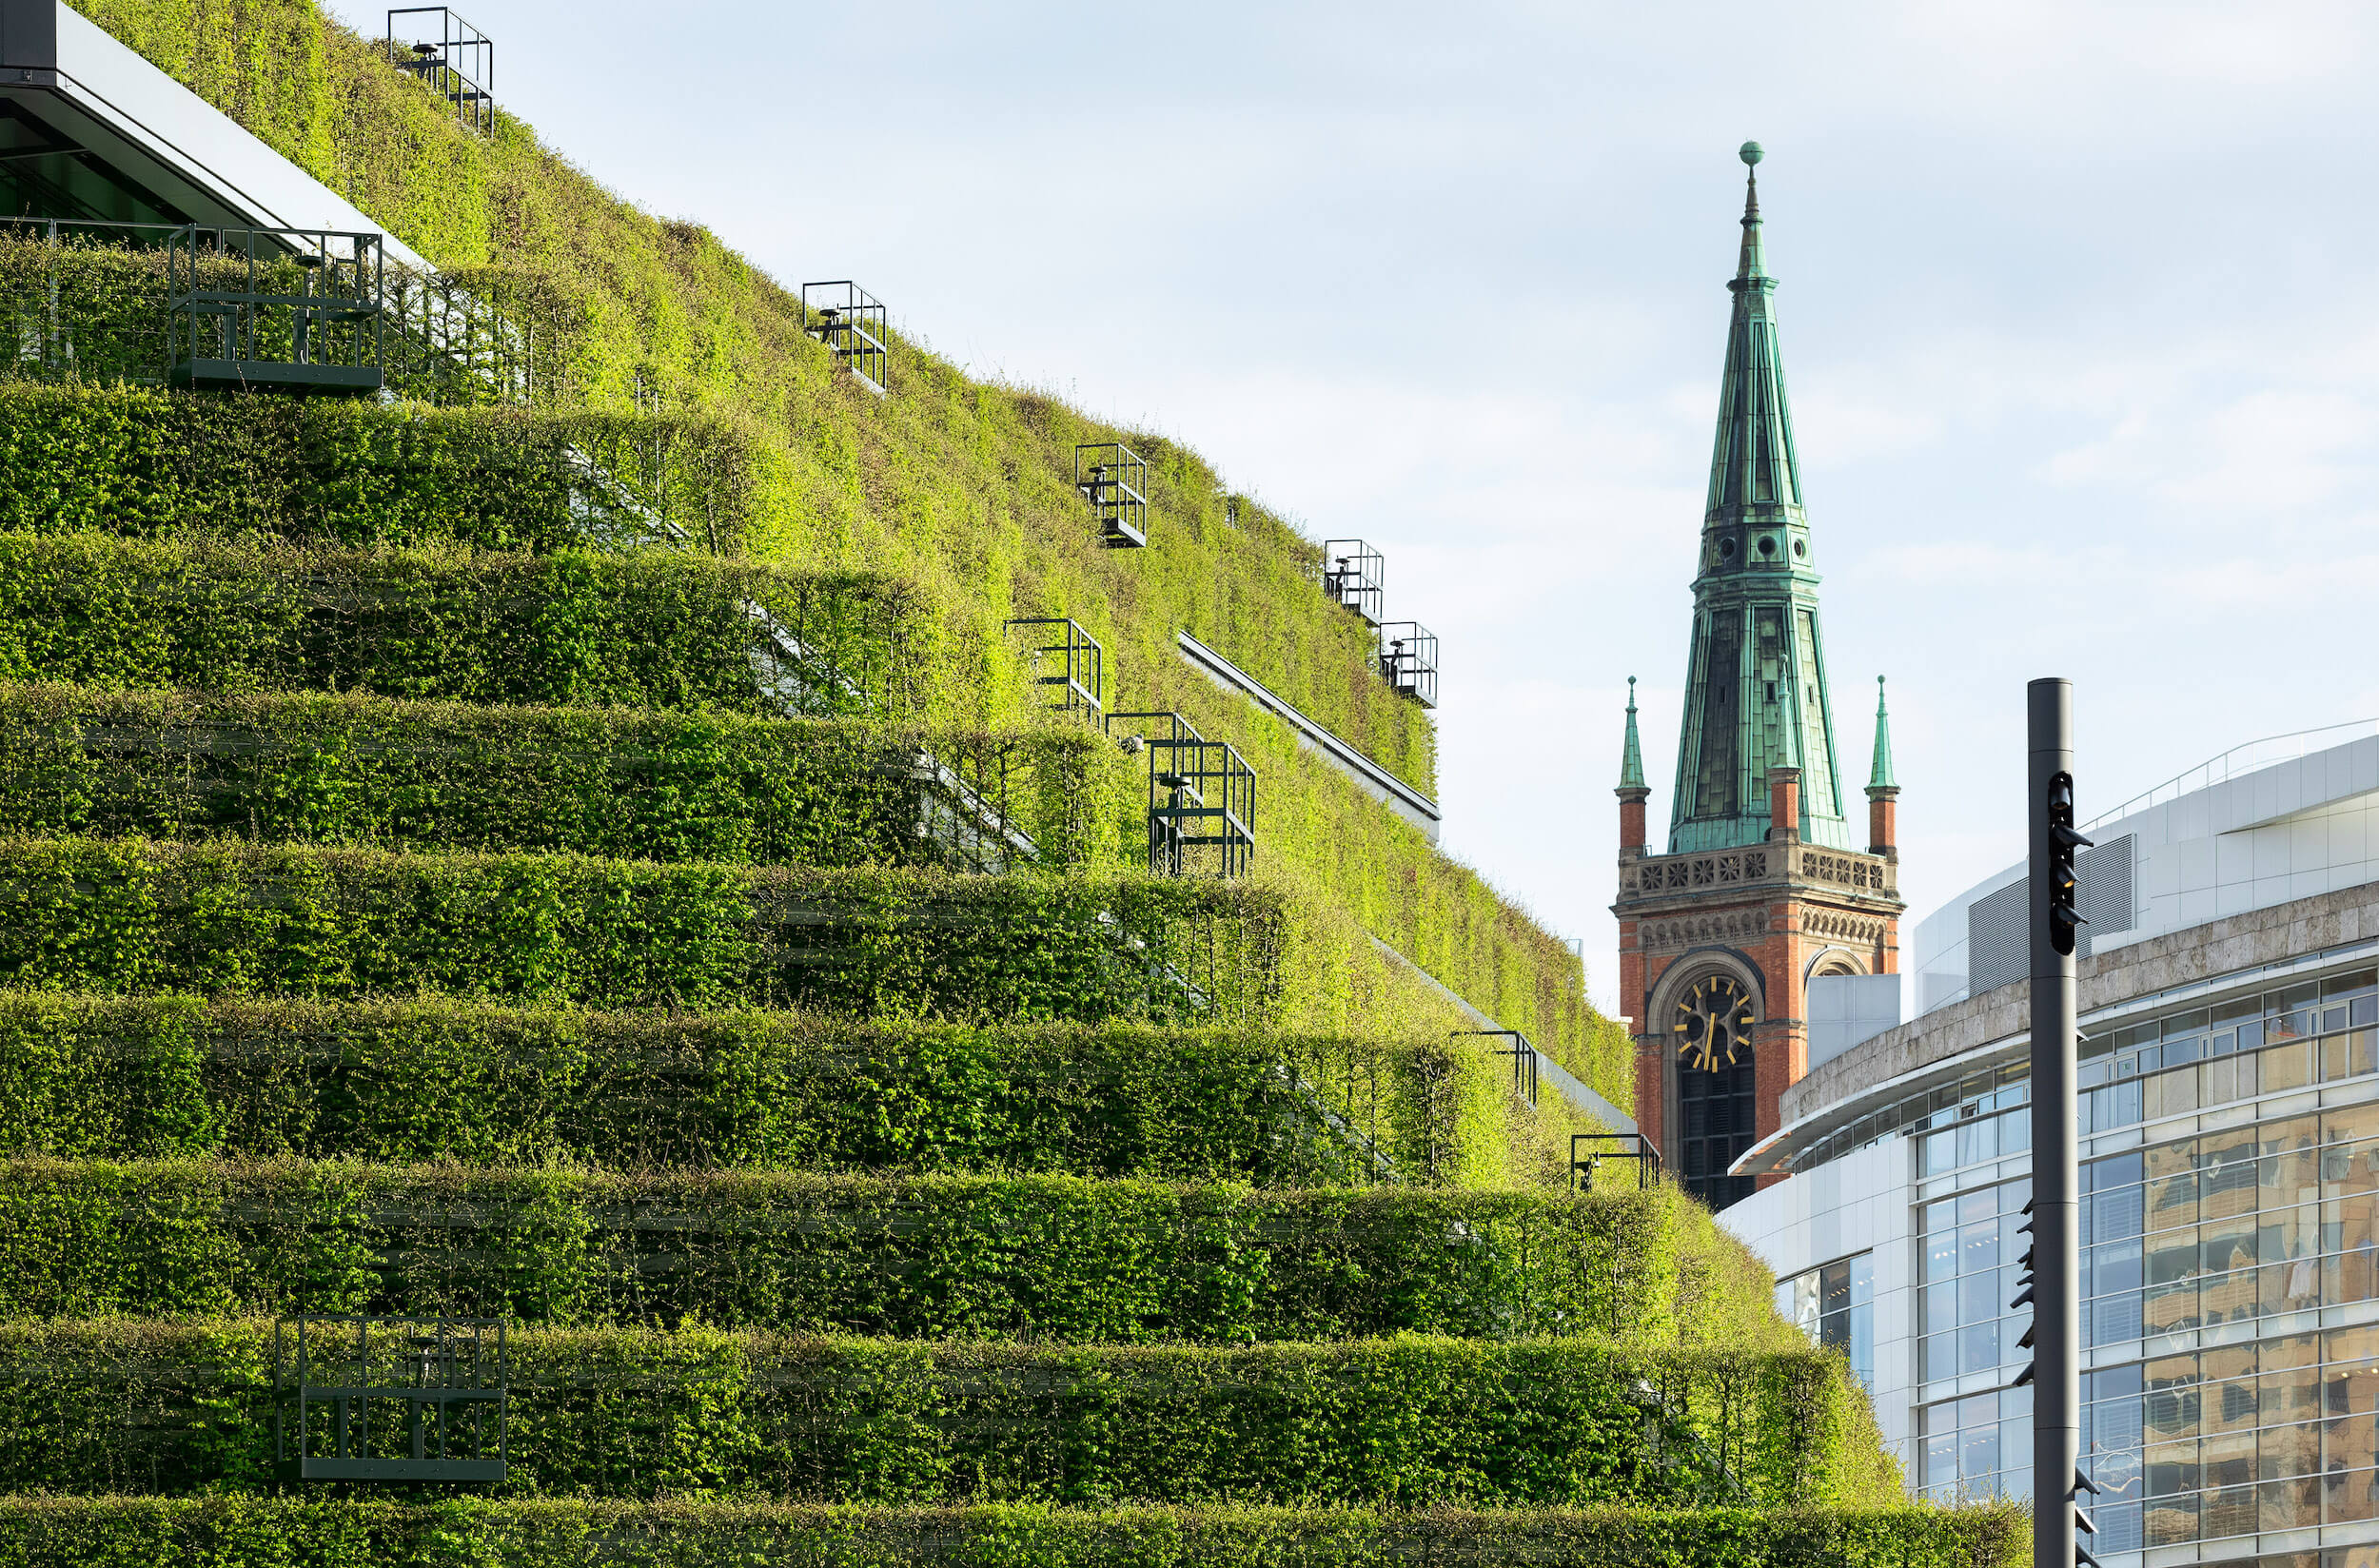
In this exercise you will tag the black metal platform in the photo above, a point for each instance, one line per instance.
(389, 1399)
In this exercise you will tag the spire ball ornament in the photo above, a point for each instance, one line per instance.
(1750, 152)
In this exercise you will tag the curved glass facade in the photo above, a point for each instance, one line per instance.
(2229, 1273)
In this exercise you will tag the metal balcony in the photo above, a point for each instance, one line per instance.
(1069, 659)
(1201, 797)
(1352, 575)
(1516, 1046)
(389, 1398)
(1114, 479)
(285, 310)
(851, 323)
(448, 56)
(1409, 660)
(1613, 1145)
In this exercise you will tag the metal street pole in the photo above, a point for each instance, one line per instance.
(2055, 1164)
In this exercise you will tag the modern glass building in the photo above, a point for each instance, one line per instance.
(2230, 1126)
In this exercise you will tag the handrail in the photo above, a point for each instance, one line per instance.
(2216, 770)
(1418, 808)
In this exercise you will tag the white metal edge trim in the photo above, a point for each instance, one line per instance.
(1345, 756)
(115, 84)
(1562, 1079)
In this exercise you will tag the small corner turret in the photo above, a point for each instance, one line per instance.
(1883, 789)
(1632, 792)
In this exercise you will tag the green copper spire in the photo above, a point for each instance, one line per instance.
(1755, 682)
(1631, 759)
(1879, 777)
(1753, 466)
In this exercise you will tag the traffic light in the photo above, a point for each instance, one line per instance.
(2064, 883)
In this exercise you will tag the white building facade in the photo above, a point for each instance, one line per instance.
(2230, 1146)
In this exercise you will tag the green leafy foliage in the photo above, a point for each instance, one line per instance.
(126, 915)
(157, 1077)
(95, 1406)
(343, 1533)
(349, 472)
(1035, 1257)
(570, 627)
(962, 488)
(610, 781)
(346, 1001)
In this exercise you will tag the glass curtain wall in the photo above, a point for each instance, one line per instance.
(1834, 1306)
(2229, 1284)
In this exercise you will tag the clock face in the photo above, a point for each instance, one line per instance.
(1713, 1022)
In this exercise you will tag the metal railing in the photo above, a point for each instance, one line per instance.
(457, 63)
(305, 314)
(1080, 665)
(1613, 1145)
(448, 345)
(1353, 575)
(1517, 1047)
(2250, 758)
(76, 318)
(1409, 660)
(1201, 797)
(397, 1398)
(851, 323)
(1114, 479)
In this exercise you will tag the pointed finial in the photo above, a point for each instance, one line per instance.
(1631, 755)
(1750, 263)
(1879, 777)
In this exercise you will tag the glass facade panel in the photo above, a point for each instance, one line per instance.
(1971, 1244)
(1834, 1306)
(2185, 1237)
(2280, 1039)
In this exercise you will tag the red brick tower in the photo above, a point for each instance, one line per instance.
(1762, 889)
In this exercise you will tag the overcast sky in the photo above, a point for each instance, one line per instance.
(2074, 303)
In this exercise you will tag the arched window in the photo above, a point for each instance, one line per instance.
(1717, 1088)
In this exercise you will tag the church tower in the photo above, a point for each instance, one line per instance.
(1761, 888)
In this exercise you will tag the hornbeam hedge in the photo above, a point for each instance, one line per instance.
(127, 915)
(354, 1533)
(570, 627)
(96, 1407)
(152, 1077)
(1047, 1257)
(354, 471)
(605, 781)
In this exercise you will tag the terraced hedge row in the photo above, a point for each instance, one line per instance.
(569, 627)
(97, 1407)
(355, 471)
(1035, 1258)
(599, 781)
(343, 1533)
(124, 916)
(154, 1077)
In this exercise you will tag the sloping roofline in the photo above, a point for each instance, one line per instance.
(72, 73)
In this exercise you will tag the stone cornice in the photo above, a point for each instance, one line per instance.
(1653, 885)
(2246, 941)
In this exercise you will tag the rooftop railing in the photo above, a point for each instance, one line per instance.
(448, 56)
(852, 324)
(2240, 760)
